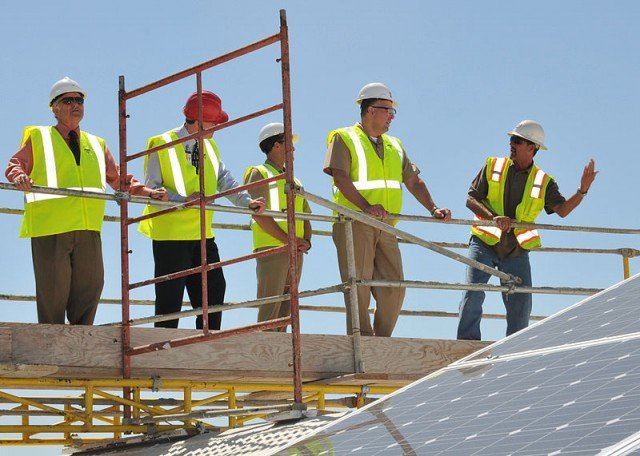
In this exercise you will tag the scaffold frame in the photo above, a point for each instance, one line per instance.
(125, 96)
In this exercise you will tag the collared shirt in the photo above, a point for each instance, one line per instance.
(22, 163)
(513, 192)
(226, 181)
(338, 157)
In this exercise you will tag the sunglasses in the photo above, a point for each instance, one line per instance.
(71, 100)
(518, 140)
(388, 109)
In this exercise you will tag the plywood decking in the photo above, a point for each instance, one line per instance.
(63, 351)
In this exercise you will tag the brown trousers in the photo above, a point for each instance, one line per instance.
(377, 257)
(69, 276)
(273, 279)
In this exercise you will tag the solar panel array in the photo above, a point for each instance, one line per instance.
(567, 385)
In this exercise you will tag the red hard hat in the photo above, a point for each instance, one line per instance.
(211, 108)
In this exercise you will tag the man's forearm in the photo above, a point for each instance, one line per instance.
(421, 193)
(569, 205)
(479, 209)
(349, 191)
(269, 225)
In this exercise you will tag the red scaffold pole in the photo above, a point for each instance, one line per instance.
(124, 244)
(203, 213)
(291, 212)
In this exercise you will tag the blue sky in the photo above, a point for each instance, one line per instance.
(463, 72)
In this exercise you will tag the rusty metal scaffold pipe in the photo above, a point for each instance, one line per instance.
(207, 267)
(207, 131)
(291, 213)
(359, 216)
(124, 243)
(204, 272)
(208, 199)
(181, 342)
(229, 306)
(204, 66)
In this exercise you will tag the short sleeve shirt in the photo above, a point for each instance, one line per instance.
(513, 191)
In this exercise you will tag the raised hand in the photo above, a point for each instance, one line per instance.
(588, 175)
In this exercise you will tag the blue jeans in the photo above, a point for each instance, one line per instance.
(518, 305)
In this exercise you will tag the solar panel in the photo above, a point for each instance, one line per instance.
(537, 396)
(612, 312)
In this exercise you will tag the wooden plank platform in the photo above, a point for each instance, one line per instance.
(89, 352)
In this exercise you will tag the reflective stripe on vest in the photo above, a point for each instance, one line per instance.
(55, 166)
(498, 169)
(179, 176)
(537, 184)
(492, 231)
(529, 208)
(274, 196)
(527, 235)
(176, 171)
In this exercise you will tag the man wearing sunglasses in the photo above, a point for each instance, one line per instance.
(65, 230)
(368, 167)
(507, 190)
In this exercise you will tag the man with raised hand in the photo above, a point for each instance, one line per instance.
(65, 230)
(509, 189)
(368, 167)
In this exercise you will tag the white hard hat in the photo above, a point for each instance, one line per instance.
(273, 129)
(375, 90)
(65, 85)
(531, 131)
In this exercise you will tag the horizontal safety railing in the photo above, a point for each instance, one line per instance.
(625, 253)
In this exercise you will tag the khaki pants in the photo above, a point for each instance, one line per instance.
(377, 257)
(273, 280)
(69, 276)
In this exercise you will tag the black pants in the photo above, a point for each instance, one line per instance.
(174, 256)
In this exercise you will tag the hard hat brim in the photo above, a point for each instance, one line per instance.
(393, 102)
(540, 146)
(294, 137)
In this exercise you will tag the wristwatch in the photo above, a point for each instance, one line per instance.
(581, 192)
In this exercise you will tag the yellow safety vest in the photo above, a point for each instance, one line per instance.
(526, 212)
(179, 176)
(54, 166)
(277, 201)
(377, 180)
